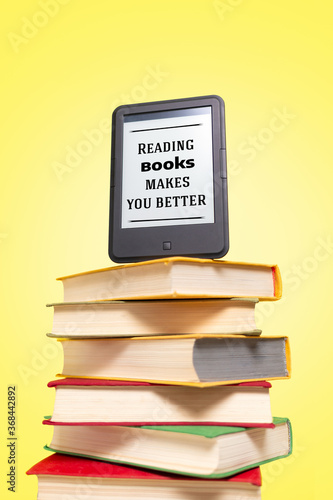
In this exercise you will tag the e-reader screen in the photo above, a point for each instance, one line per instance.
(174, 182)
(168, 180)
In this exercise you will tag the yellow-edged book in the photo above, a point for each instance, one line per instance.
(199, 360)
(175, 277)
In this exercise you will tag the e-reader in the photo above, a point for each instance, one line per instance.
(169, 180)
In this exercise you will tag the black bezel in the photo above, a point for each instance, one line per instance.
(209, 240)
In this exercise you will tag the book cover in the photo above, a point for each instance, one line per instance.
(72, 465)
(101, 402)
(189, 450)
(153, 317)
(189, 354)
(175, 277)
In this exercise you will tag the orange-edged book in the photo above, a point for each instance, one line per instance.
(175, 277)
(198, 360)
(74, 477)
(109, 402)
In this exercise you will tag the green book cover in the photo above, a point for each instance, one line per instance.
(209, 432)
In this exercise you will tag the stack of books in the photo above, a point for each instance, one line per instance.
(165, 388)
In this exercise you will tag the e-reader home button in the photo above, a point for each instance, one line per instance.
(166, 245)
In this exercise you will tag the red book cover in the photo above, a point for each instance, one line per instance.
(116, 383)
(68, 465)
(108, 382)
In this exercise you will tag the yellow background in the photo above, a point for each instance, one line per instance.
(66, 65)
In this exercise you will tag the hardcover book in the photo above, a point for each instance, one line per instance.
(188, 359)
(175, 277)
(74, 477)
(109, 402)
(203, 451)
(154, 317)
